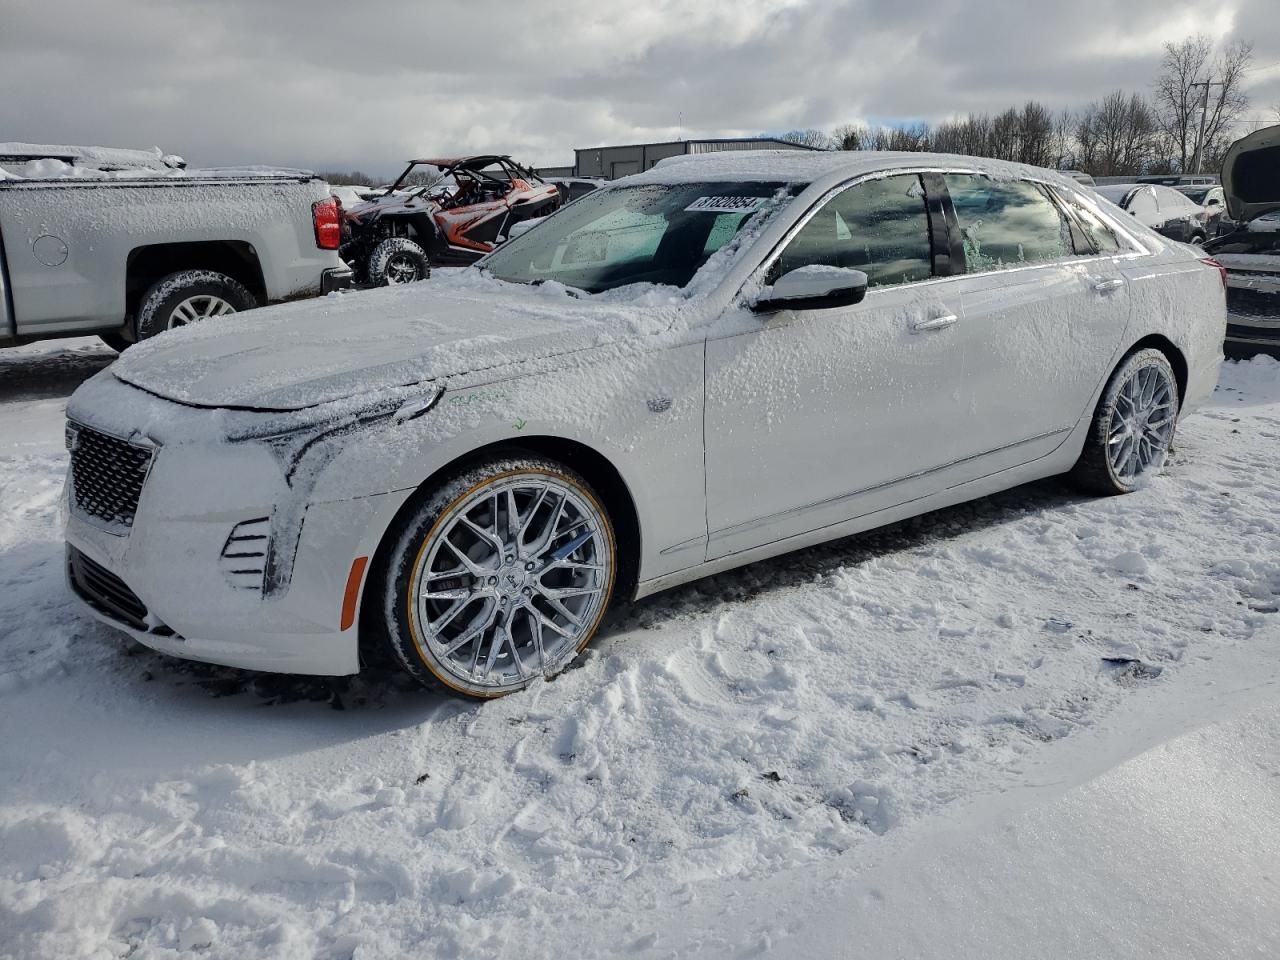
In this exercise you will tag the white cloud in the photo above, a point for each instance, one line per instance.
(331, 84)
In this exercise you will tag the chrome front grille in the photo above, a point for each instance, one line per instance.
(107, 474)
(1253, 303)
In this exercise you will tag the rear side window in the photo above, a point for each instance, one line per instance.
(1096, 231)
(880, 227)
(1006, 223)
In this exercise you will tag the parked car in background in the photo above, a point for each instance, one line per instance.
(1180, 179)
(454, 219)
(1163, 209)
(1251, 251)
(1079, 176)
(719, 360)
(126, 251)
(1214, 202)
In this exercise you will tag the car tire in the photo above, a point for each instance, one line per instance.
(484, 621)
(1133, 426)
(190, 296)
(397, 260)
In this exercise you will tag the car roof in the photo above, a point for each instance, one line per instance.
(812, 166)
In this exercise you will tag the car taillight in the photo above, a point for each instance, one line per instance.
(1222, 271)
(327, 216)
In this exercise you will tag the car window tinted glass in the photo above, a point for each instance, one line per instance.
(880, 227)
(1006, 223)
(659, 233)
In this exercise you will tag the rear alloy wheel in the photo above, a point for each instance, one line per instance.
(1132, 429)
(398, 260)
(501, 577)
(190, 296)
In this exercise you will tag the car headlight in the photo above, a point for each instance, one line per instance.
(300, 439)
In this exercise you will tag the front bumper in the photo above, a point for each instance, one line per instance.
(165, 580)
(1253, 307)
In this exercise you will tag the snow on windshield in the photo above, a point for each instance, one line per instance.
(658, 235)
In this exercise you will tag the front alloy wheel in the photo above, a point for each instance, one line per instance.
(502, 577)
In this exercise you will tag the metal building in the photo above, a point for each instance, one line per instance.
(613, 162)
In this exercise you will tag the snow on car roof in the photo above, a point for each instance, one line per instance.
(806, 166)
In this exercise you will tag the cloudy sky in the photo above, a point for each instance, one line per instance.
(328, 85)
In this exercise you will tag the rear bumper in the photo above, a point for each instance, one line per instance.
(1253, 329)
(336, 278)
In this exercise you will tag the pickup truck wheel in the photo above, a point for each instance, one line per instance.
(188, 297)
(397, 260)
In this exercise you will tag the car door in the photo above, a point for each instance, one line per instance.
(1045, 305)
(817, 416)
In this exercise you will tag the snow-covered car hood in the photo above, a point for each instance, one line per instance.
(1251, 175)
(300, 355)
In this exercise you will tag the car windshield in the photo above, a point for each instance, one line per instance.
(1195, 194)
(658, 233)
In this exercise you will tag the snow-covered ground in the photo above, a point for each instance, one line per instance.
(928, 741)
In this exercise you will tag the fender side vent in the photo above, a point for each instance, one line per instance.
(244, 556)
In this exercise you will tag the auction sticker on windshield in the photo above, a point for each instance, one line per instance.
(724, 204)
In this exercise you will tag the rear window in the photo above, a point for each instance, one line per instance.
(1007, 223)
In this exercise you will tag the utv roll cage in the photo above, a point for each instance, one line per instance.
(473, 167)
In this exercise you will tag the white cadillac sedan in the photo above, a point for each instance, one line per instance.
(717, 361)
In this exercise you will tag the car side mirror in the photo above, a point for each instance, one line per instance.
(813, 287)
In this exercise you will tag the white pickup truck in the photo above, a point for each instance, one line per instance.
(126, 244)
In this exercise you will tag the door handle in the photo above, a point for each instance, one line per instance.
(1106, 286)
(933, 323)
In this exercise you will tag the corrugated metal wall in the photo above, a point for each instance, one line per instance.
(614, 162)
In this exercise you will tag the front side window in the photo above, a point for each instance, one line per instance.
(1006, 223)
(880, 227)
(659, 233)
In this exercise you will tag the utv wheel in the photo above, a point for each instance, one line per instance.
(501, 576)
(397, 260)
(189, 297)
(1132, 428)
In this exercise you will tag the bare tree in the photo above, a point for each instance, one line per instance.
(809, 138)
(1116, 136)
(1199, 96)
(850, 136)
(356, 178)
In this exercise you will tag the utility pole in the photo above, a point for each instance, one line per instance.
(1204, 116)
